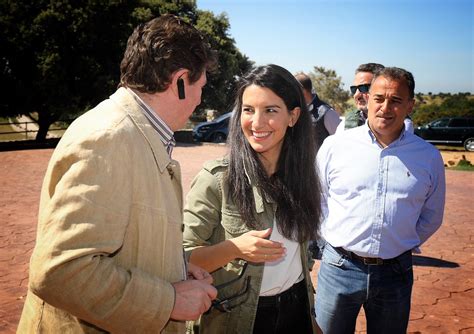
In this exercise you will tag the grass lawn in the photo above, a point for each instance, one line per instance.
(462, 167)
(10, 136)
(56, 130)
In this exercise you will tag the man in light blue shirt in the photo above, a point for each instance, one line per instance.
(384, 192)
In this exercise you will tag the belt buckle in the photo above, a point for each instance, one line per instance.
(375, 261)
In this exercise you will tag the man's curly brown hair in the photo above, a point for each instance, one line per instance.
(158, 48)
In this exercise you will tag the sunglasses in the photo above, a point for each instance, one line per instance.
(362, 88)
(224, 305)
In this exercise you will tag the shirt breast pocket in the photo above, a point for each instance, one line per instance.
(415, 184)
(232, 224)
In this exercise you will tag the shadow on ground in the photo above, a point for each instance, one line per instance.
(426, 261)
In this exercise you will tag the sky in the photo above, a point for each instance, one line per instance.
(433, 39)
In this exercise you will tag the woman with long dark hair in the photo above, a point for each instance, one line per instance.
(250, 215)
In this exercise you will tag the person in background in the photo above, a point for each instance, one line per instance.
(384, 193)
(325, 121)
(409, 124)
(108, 254)
(360, 89)
(324, 118)
(248, 216)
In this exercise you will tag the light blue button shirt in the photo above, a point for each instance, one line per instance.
(380, 202)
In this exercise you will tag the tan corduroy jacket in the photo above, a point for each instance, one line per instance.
(109, 239)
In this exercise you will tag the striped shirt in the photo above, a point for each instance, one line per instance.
(163, 130)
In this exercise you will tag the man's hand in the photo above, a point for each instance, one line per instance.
(195, 272)
(193, 298)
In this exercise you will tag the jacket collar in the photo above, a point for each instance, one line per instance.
(126, 101)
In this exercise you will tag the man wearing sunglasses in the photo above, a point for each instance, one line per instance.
(359, 90)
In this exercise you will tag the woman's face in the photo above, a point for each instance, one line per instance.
(265, 120)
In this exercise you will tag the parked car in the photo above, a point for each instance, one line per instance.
(215, 131)
(457, 131)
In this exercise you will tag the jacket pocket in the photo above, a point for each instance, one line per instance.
(232, 224)
(234, 283)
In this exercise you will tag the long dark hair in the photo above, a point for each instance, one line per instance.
(295, 185)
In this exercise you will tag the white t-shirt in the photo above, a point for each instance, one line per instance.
(280, 275)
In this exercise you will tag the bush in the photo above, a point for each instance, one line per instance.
(464, 164)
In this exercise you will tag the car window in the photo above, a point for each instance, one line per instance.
(440, 123)
(458, 123)
(221, 117)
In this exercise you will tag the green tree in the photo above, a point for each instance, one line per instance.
(329, 87)
(59, 58)
(218, 94)
(452, 105)
(419, 98)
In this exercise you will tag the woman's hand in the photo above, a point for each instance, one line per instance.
(253, 246)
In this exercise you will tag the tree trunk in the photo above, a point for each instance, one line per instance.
(45, 119)
(42, 132)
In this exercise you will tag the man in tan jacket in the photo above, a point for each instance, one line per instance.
(108, 255)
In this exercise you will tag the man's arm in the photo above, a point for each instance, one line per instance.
(331, 120)
(321, 165)
(84, 222)
(431, 215)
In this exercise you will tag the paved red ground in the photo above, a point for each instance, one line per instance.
(443, 292)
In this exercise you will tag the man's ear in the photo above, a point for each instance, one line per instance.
(411, 105)
(181, 93)
(177, 84)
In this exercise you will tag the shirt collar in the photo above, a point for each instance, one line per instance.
(374, 139)
(164, 132)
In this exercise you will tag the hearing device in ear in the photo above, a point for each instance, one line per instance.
(180, 84)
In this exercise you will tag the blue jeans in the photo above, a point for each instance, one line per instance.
(345, 284)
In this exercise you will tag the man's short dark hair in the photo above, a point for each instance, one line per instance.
(158, 48)
(369, 67)
(305, 81)
(399, 74)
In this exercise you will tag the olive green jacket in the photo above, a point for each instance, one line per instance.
(210, 217)
(353, 119)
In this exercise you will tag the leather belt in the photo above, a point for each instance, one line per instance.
(373, 261)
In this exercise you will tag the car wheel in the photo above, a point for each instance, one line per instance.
(218, 137)
(469, 144)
